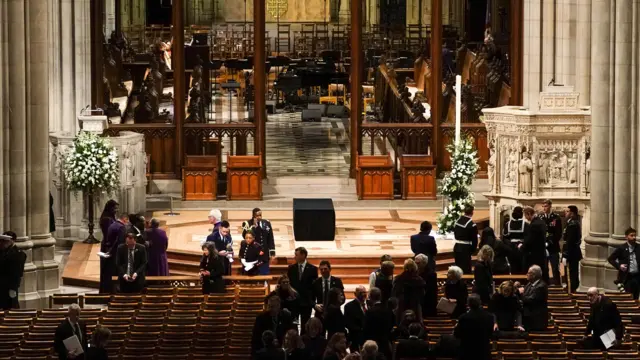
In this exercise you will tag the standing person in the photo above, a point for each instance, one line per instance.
(302, 275)
(506, 308)
(333, 318)
(158, 241)
(534, 301)
(571, 250)
(625, 258)
(108, 217)
(131, 261)
(215, 218)
(384, 280)
(136, 227)
(372, 277)
(424, 243)
(455, 291)
(483, 276)
(251, 252)
(475, 330)
(11, 270)
(604, 316)
(221, 239)
(109, 246)
(99, 341)
(322, 286)
(534, 245)
(408, 288)
(513, 233)
(501, 252)
(553, 236)
(314, 340)
(263, 231)
(289, 297)
(354, 312)
(211, 270)
(273, 319)
(378, 323)
(430, 300)
(71, 326)
(466, 234)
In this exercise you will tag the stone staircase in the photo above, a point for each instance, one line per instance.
(291, 187)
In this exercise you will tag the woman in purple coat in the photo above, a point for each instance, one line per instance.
(157, 264)
(108, 217)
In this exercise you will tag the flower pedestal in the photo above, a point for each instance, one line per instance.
(90, 238)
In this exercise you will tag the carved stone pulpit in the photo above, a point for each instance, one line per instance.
(70, 211)
(538, 154)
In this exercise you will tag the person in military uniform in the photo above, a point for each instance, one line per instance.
(12, 262)
(554, 234)
(571, 249)
(251, 251)
(221, 238)
(466, 235)
(513, 233)
(534, 245)
(263, 232)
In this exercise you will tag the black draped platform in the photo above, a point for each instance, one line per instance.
(314, 220)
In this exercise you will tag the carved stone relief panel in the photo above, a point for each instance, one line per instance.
(558, 163)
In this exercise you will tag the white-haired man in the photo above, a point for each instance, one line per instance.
(215, 218)
(69, 327)
(604, 317)
(428, 274)
(534, 301)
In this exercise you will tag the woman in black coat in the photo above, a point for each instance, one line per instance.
(334, 321)
(501, 252)
(455, 290)
(314, 341)
(289, 297)
(506, 308)
(211, 270)
(430, 300)
(482, 274)
(408, 288)
(99, 341)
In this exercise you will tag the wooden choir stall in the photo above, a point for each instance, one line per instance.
(244, 177)
(374, 177)
(418, 174)
(200, 177)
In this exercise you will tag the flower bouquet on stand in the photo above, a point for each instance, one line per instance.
(456, 185)
(91, 166)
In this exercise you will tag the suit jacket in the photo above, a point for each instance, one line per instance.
(423, 243)
(535, 245)
(474, 330)
(65, 331)
(572, 240)
(604, 317)
(534, 304)
(304, 284)
(483, 281)
(354, 319)
(378, 323)
(318, 296)
(333, 321)
(411, 348)
(139, 261)
(264, 322)
(620, 256)
(214, 282)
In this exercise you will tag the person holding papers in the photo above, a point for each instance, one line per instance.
(605, 324)
(70, 340)
(251, 255)
(131, 262)
(211, 270)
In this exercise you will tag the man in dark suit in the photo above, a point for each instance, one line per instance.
(466, 242)
(413, 347)
(534, 246)
(221, 238)
(625, 258)
(301, 276)
(69, 327)
(115, 237)
(273, 319)
(354, 312)
(424, 243)
(11, 270)
(534, 301)
(474, 330)
(378, 322)
(132, 265)
(571, 250)
(604, 317)
(322, 286)
(553, 223)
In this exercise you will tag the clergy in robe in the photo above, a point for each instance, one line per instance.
(158, 242)
(109, 246)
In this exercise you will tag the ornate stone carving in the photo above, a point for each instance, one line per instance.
(525, 172)
(587, 168)
(491, 165)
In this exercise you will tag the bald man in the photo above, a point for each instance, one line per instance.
(354, 318)
(604, 317)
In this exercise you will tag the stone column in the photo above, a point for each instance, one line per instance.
(622, 119)
(531, 49)
(38, 149)
(596, 250)
(344, 11)
(583, 51)
(548, 51)
(69, 111)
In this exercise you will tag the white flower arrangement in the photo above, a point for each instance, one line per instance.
(456, 185)
(91, 165)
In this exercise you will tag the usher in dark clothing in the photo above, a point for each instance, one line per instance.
(475, 329)
(212, 283)
(423, 243)
(301, 278)
(483, 281)
(466, 234)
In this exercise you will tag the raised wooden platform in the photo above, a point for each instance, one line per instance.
(361, 238)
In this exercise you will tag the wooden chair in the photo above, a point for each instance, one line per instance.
(517, 355)
(157, 299)
(221, 298)
(587, 355)
(511, 345)
(64, 299)
(188, 291)
(159, 291)
(550, 355)
(131, 306)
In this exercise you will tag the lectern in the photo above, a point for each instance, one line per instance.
(200, 177)
(374, 177)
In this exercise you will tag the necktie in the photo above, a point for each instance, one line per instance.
(130, 263)
(76, 330)
(300, 272)
(326, 290)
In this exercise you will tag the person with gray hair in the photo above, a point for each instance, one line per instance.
(428, 274)
(370, 351)
(354, 312)
(534, 301)
(69, 327)
(455, 291)
(157, 244)
(604, 316)
(378, 322)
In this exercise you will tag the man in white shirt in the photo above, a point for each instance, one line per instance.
(373, 275)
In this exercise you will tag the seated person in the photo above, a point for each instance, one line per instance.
(413, 347)
(534, 301)
(402, 330)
